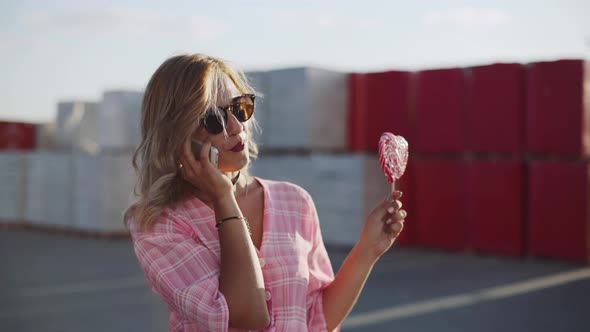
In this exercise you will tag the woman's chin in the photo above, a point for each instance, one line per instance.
(234, 165)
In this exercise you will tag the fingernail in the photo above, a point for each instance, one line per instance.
(388, 222)
(397, 227)
(400, 193)
(390, 209)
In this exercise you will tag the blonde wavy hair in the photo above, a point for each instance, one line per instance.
(176, 98)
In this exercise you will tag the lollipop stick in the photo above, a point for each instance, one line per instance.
(390, 198)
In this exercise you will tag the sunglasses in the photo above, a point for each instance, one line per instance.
(242, 107)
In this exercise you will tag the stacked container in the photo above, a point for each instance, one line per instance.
(16, 139)
(495, 167)
(558, 146)
(303, 116)
(499, 155)
(80, 175)
(13, 190)
(438, 122)
(17, 136)
(380, 102)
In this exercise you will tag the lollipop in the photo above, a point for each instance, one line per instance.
(393, 155)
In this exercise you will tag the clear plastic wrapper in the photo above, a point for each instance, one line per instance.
(393, 155)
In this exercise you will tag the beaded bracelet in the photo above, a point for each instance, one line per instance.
(219, 222)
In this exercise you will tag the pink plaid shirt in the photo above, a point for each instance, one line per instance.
(180, 258)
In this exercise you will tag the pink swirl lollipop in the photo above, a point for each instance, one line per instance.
(393, 155)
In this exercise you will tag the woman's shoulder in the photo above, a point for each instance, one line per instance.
(283, 186)
(284, 190)
(171, 219)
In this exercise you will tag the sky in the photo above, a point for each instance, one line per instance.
(53, 51)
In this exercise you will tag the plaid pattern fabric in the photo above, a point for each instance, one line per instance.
(180, 258)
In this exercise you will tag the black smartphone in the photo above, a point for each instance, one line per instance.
(197, 145)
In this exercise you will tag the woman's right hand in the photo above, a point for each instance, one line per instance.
(202, 175)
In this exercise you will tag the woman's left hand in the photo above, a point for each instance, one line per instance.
(382, 227)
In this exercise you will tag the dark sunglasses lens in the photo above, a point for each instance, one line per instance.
(212, 124)
(244, 109)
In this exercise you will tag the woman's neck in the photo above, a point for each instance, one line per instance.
(240, 187)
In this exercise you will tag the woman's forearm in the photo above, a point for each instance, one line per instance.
(241, 280)
(343, 292)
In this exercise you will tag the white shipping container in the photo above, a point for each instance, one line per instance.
(49, 188)
(13, 189)
(345, 188)
(119, 120)
(375, 185)
(68, 122)
(338, 195)
(112, 124)
(295, 169)
(88, 140)
(88, 188)
(307, 109)
(45, 136)
(103, 189)
(259, 80)
(118, 191)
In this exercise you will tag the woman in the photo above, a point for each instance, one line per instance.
(225, 250)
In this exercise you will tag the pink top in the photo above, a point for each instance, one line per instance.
(180, 258)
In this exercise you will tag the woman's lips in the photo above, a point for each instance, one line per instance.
(239, 147)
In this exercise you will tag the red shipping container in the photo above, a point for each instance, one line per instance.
(557, 122)
(440, 204)
(407, 185)
(440, 116)
(378, 102)
(559, 209)
(495, 206)
(495, 108)
(17, 136)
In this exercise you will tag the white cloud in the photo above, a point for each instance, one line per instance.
(10, 41)
(306, 19)
(467, 16)
(125, 21)
(368, 24)
(325, 20)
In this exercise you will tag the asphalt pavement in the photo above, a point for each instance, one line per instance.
(50, 282)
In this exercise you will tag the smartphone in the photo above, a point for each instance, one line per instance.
(197, 145)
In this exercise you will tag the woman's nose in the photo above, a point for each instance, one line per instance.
(233, 126)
